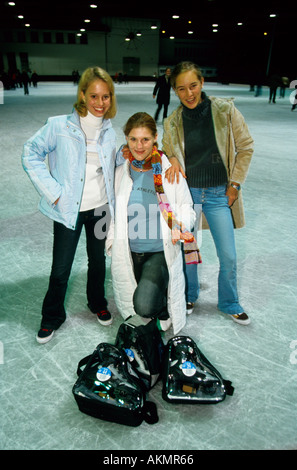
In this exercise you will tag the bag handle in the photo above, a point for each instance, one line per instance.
(82, 363)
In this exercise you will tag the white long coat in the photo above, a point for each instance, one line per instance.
(124, 283)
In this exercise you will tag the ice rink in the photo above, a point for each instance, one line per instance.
(37, 408)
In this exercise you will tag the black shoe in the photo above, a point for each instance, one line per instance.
(104, 317)
(44, 335)
(241, 318)
(190, 307)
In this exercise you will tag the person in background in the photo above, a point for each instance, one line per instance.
(285, 82)
(162, 91)
(76, 189)
(25, 81)
(34, 79)
(274, 82)
(152, 218)
(207, 139)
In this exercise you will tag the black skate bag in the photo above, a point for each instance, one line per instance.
(107, 388)
(189, 377)
(144, 347)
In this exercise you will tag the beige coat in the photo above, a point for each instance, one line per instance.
(233, 139)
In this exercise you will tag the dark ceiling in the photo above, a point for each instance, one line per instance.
(244, 49)
(69, 15)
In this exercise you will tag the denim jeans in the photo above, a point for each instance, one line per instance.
(65, 244)
(213, 202)
(152, 277)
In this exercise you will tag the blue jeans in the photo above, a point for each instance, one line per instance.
(213, 202)
(65, 244)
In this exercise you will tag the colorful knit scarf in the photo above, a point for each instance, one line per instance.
(154, 162)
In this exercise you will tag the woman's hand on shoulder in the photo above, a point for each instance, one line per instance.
(174, 170)
(125, 151)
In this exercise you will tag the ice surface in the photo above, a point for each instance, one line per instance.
(37, 409)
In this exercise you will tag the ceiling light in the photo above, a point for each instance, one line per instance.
(154, 26)
(20, 16)
(214, 30)
(272, 15)
(239, 24)
(214, 25)
(87, 21)
(11, 4)
(171, 37)
(27, 25)
(175, 17)
(79, 34)
(190, 32)
(82, 29)
(93, 5)
(138, 33)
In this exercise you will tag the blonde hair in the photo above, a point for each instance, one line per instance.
(88, 76)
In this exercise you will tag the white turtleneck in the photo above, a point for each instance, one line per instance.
(94, 193)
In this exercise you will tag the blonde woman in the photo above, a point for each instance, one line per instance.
(76, 189)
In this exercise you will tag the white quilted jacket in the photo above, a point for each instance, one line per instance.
(124, 283)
